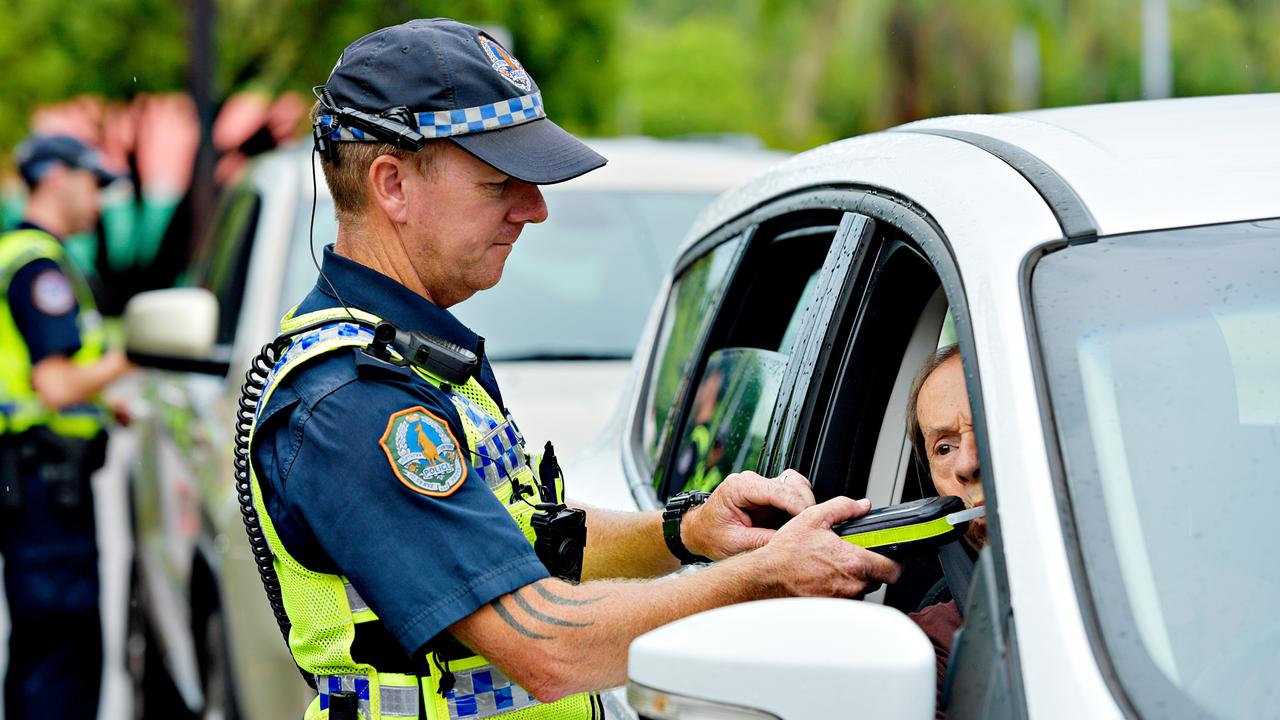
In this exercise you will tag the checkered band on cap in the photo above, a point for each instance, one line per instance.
(450, 123)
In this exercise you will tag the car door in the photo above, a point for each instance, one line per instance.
(845, 426)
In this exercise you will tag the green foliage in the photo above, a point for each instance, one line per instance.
(793, 72)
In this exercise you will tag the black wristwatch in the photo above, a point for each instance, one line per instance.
(677, 506)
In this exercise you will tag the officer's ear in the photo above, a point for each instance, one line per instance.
(386, 186)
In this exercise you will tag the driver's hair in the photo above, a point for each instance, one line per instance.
(943, 354)
(347, 178)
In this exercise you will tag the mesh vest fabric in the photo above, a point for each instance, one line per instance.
(20, 406)
(325, 609)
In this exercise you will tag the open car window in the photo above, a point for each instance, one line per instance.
(723, 411)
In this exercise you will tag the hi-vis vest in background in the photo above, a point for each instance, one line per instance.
(20, 406)
(327, 613)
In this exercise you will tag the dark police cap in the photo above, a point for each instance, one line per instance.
(38, 154)
(458, 83)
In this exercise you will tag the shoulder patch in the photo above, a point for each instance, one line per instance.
(423, 452)
(51, 293)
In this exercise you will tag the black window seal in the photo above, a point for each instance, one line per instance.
(1073, 216)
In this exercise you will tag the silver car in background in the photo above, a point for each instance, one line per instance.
(562, 327)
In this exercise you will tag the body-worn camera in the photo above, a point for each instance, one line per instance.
(560, 531)
(561, 539)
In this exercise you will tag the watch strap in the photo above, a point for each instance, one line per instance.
(674, 513)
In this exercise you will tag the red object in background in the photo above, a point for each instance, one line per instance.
(161, 133)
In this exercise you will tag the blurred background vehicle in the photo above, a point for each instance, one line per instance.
(568, 313)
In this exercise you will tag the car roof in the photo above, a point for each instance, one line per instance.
(1135, 166)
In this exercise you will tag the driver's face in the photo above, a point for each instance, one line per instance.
(950, 445)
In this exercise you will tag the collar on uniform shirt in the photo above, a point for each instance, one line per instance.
(371, 291)
(28, 225)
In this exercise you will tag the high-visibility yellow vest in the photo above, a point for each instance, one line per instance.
(325, 610)
(20, 406)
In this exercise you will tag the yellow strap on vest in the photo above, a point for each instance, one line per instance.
(20, 406)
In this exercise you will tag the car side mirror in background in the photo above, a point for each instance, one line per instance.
(788, 659)
(174, 329)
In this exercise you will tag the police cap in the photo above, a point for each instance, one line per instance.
(36, 155)
(456, 82)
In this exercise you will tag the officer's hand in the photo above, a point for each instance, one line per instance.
(810, 560)
(741, 513)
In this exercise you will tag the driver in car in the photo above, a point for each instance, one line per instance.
(940, 425)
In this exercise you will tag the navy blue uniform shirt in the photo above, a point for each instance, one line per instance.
(44, 307)
(422, 563)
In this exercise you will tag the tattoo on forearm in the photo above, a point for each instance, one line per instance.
(548, 619)
(515, 625)
(558, 600)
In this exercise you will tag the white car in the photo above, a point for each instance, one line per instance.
(562, 327)
(1113, 278)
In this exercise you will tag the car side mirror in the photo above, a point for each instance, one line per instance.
(174, 329)
(787, 659)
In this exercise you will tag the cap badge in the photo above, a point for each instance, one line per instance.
(505, 64)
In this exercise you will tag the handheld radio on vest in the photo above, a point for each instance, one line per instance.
(561, 531)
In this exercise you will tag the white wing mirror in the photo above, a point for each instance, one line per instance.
(790, 659)
(174, 329)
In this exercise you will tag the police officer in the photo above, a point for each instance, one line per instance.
(408, 522)
(52, 366)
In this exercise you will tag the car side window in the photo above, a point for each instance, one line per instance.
(223, 264)
(684, 322)
(726, 430)
(723, 418)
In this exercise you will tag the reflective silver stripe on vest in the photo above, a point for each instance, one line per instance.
(356, 602)
(484, 692)
(499, 454)
(396, 700)
(400, 700)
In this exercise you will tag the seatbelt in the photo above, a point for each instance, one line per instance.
(957, 567)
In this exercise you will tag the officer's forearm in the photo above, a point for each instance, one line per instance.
(60, 382)
(625, 545)
(556, 639)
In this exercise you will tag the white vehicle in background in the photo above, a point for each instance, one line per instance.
(561, 328)
(1112, 276)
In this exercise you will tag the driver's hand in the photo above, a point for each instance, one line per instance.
(741, 513)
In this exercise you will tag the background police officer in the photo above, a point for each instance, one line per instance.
(397, 496)
(52, 366)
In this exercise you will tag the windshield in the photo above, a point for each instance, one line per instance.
(1162, 354)
(578, 286)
